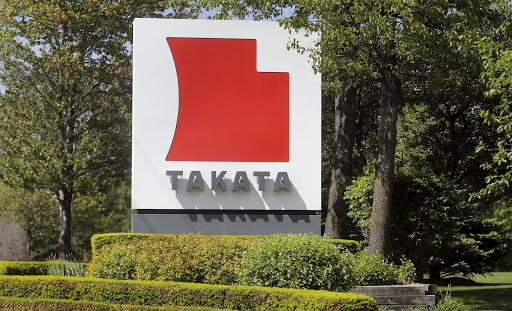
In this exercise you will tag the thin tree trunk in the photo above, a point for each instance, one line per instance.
(64, 197)
(341, 174)
(29, 241)
(384, 175)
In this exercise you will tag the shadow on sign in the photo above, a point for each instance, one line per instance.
(240, 199)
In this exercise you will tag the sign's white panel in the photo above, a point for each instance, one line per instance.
(225, 117)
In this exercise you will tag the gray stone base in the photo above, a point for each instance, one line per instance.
(225, 223)
(399, 297)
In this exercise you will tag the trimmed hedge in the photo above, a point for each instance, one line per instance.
(100, 240)
(174, 257)
(27, 267)
(22, 304)
(180, 294)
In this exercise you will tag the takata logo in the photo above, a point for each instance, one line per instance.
(228, 111)
(225, 117)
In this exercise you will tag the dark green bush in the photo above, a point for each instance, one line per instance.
(180, 294)
(23, 268)
(30, 268)
(21, 304)
(297, 261)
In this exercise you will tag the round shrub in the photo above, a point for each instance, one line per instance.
(297, 261)
(114, 262)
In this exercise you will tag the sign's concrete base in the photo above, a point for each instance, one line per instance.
(225, 222)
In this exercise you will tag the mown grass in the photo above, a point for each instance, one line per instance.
(492, 292)
(494, 278)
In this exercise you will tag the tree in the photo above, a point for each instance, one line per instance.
(112, 213)
(357, 45)
(355, 52)
(388, 45)
(496, 49)
(36, 213)
(436, 227)
(434, 221)
(65, 67)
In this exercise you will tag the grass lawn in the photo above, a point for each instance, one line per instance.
(493, 292)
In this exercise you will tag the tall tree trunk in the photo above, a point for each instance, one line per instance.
(384, 175)
(341, 174)
(65, 196)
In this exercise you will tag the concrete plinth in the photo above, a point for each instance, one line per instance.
(225, 223)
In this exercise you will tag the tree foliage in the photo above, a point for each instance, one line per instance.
(496, 48)
(435, 222)
(36, 213)
(65, 67)
(434, 225)
(426, 55)
(358, 49)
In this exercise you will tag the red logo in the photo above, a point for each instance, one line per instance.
(227, 110)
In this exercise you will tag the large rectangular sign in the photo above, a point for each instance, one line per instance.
(225, 117)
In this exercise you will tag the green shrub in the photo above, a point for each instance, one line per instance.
(21, 304)
(183, 258)
(180, 294)
(406, 270)
(173, 257)
(297, 261)
(375, 270)
(115, 262)
(100, 240)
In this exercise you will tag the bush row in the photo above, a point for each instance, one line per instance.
(287, 261)
(30, 267)
(100, 240)
(180, 294)
(23, 304)
(179, 258)
(304, 261)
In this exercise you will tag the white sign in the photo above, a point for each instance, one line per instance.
(225, 117)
